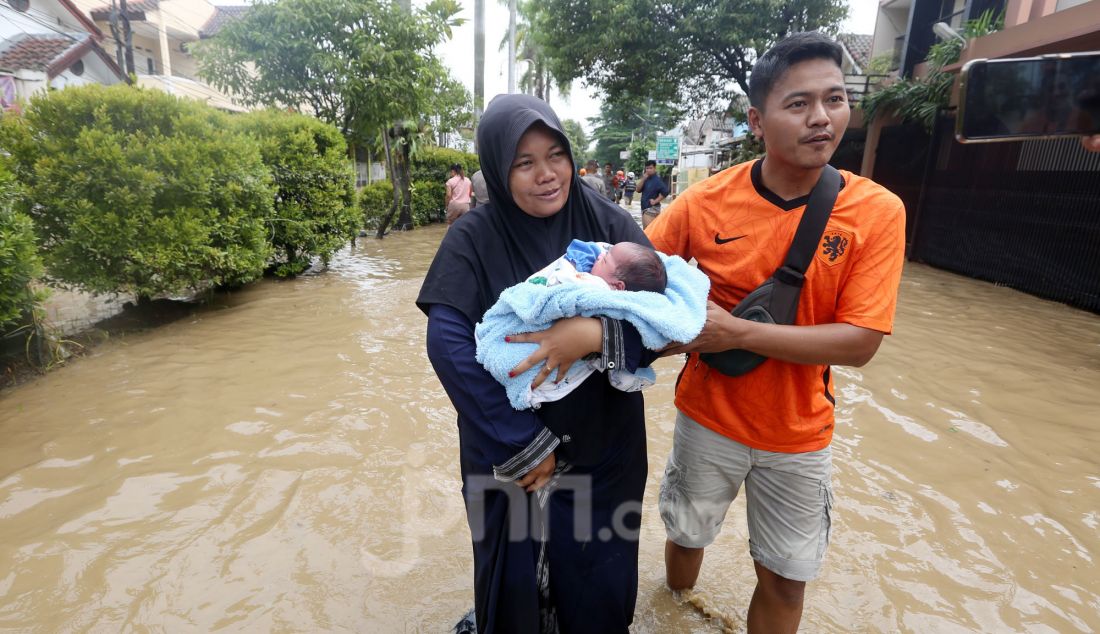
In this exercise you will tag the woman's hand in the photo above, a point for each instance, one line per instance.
(537, 478)
(560, 346)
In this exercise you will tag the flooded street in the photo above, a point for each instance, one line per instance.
(285, 460)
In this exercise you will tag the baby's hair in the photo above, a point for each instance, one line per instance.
(643, 269)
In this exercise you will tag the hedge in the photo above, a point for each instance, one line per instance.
(314, 206)
(433, 164)
(138, 191)
(376, 199)
(19, 263)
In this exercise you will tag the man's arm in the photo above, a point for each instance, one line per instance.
(823, 344)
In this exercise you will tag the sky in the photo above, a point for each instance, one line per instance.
(458, 55)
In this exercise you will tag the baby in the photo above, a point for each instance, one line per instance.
(625, 266)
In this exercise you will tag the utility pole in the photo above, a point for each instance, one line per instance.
(112, 20)
(511, 46)
(128, 45)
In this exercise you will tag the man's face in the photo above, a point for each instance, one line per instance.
(804, 116)
(607, 168)
(650, 170)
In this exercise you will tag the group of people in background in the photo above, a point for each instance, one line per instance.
(465, 193)
(617, 185)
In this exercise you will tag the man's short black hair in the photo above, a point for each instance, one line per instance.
(651, 162)
(795, 48)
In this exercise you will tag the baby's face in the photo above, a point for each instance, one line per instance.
(607, 264)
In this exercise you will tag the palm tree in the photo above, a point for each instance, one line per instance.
(536, 79)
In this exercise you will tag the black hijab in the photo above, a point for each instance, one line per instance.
(497, 244)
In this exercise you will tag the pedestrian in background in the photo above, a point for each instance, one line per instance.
(481, 192)
(591, 175)
(608, 177)
(457, 200)
(653, 190)
(629, 187)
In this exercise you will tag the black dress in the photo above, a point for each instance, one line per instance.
(589, 517)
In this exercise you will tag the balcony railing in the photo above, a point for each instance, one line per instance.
(859, 85)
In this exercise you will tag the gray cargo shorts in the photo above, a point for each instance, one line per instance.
(789, 498)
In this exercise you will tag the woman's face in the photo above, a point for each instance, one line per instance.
(540, 174)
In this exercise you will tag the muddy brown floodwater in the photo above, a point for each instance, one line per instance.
(285, 460)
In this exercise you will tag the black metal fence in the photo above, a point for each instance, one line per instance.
(1021, 214)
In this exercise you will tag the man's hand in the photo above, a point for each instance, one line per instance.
(537, 478)
(560, 346)
(1091, 143)
(720, 333)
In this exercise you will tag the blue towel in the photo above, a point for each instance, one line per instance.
(678, 314)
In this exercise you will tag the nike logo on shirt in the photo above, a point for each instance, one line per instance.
(718, 240)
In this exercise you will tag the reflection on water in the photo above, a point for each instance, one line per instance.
(285, 460)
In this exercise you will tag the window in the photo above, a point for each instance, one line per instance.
(77, 68)
(151, 65)
(20, 5)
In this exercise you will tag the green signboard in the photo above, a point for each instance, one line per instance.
(668, 150)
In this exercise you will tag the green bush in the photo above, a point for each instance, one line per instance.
(315, 211)
(375, 201)
(427, 202)
(434, 163)
(19, 263)
(137, 191)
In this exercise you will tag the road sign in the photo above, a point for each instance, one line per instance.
(668, 150)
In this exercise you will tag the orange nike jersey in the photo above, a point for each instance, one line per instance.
(739, 232)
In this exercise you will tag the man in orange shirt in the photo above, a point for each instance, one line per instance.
(771, 427)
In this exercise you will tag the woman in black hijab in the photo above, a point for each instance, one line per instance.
(575, 467)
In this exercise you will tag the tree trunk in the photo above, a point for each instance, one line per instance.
(385, 224)
(401, 163)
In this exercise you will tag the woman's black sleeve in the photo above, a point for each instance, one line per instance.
(513, 441)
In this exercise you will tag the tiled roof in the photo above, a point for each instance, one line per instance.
(221, 17)
(36, 51)
(858, 45)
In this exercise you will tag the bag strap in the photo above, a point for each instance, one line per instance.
(812, 226)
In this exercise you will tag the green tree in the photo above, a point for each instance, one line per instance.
(358, 64)
(537, 78)
(689, 52)
(920, 100)
(618, 124)
(578, 139)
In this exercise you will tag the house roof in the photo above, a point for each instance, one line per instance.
(80, 17)
(858, 46)
(51, 53)
(222, 16)
(37, 51)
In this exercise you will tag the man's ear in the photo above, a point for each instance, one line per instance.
(756, 122)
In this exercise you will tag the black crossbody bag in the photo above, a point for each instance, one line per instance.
(776, 300)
